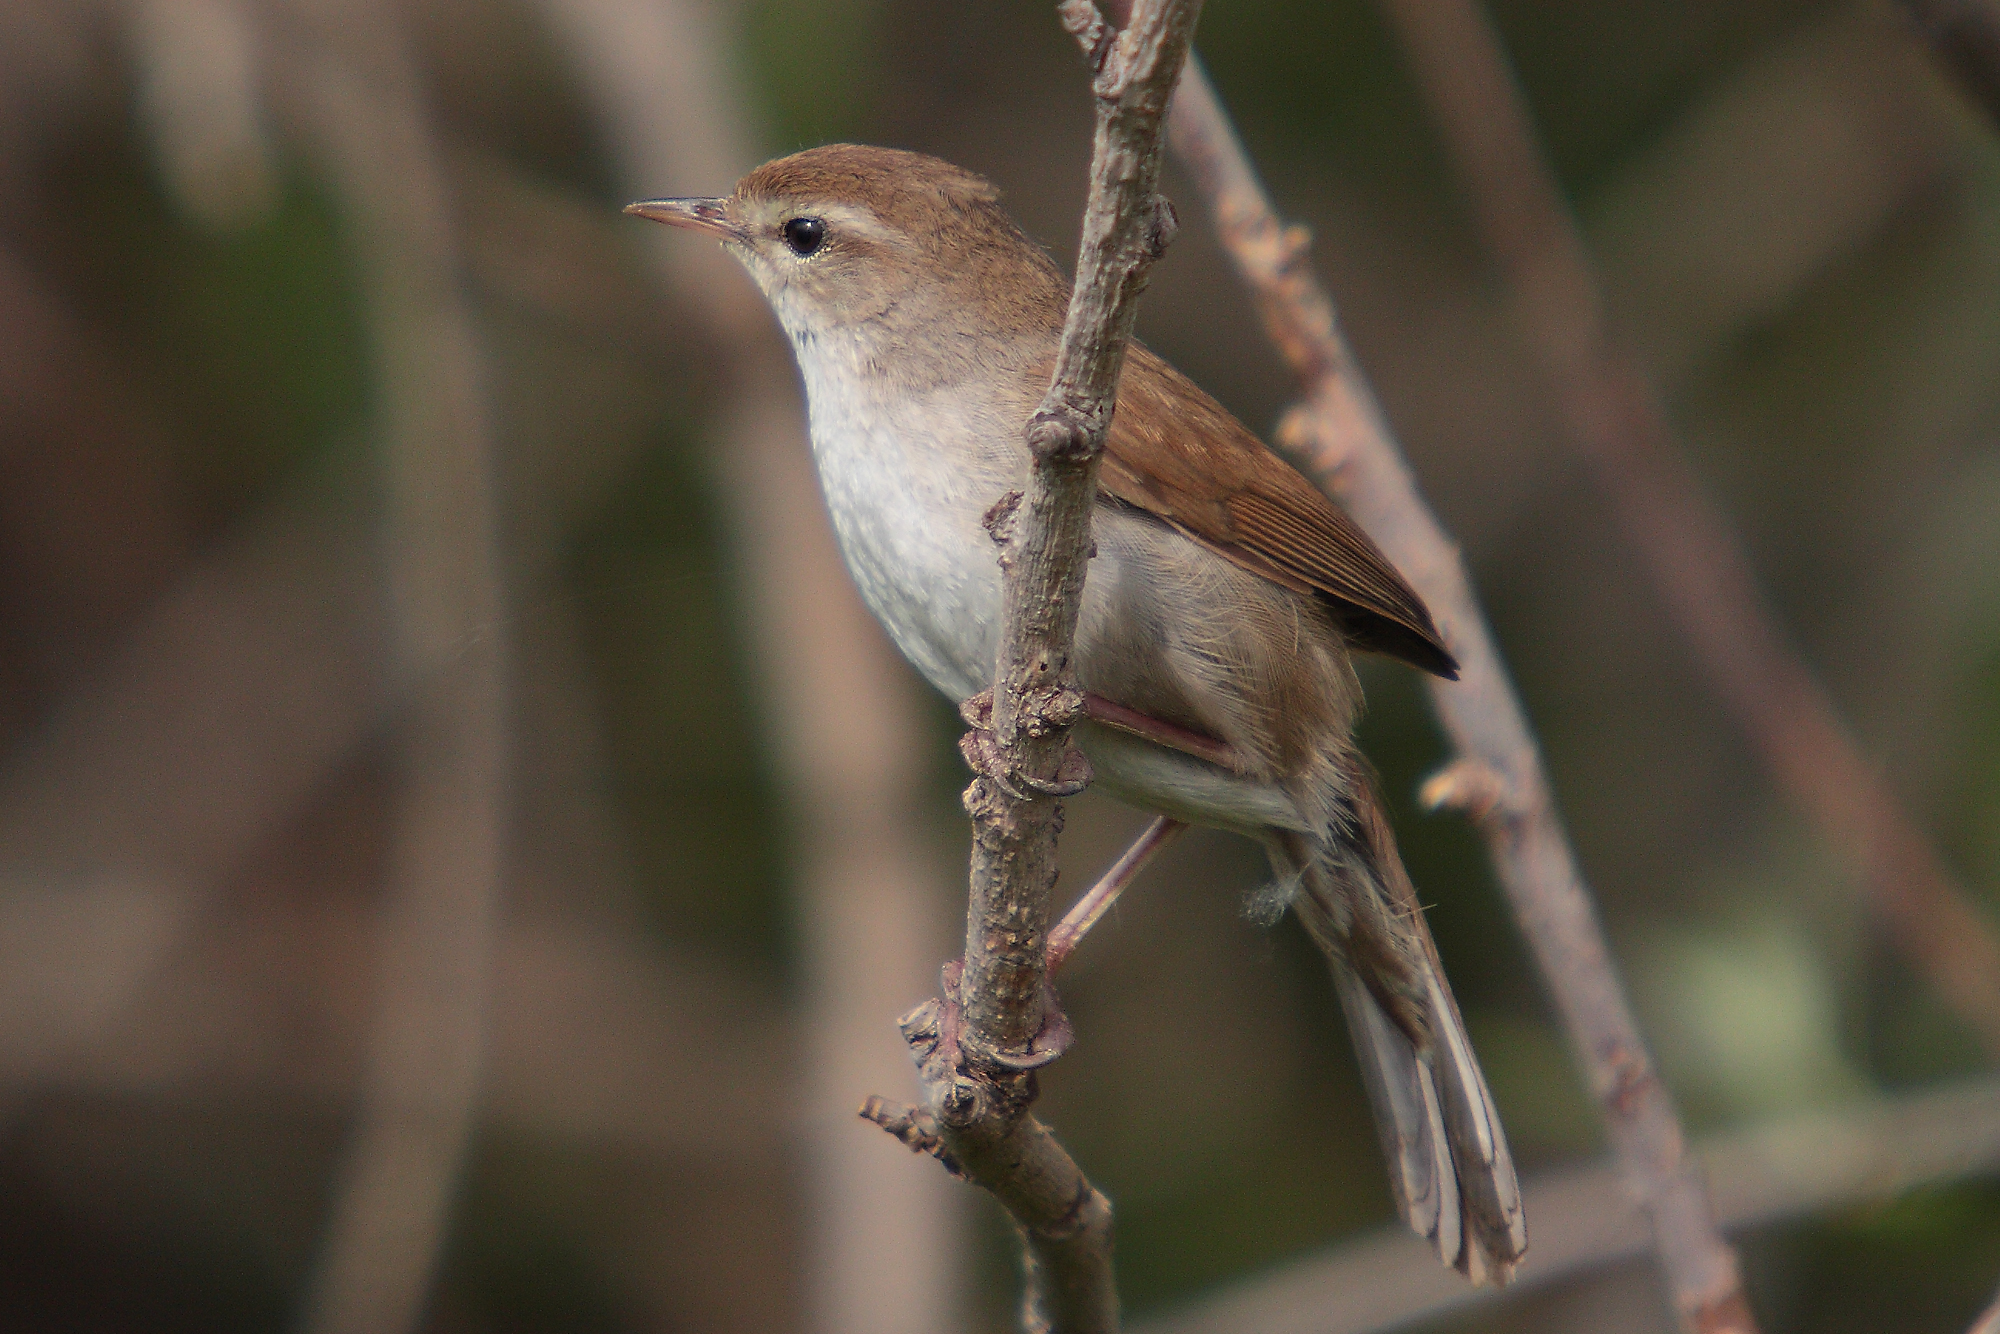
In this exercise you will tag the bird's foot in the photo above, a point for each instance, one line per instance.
(937, 1036)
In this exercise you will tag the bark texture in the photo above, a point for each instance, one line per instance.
(978, 1048)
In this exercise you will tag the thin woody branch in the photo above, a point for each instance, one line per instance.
(1045, 538)
(1615, 423)
(1345, 444)
(977, 1050)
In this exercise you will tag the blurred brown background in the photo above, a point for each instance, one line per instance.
(462, 853)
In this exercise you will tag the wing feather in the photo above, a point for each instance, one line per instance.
(1178, 454)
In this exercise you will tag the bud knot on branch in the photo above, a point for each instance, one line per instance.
(968, 1080)
(1262, 244)
(1052, 706)
(1469, 786)
(1483, 793)
(1043, 712)
(914, 1126)
(1000, 516)
(1082, 20)
(1624, 1079)
(1062, 435)
(977, 1047)
(1294, 248)
(1161, 229)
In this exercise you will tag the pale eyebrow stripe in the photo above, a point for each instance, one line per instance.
(859, 222)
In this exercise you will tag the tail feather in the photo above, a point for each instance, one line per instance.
(1403, 1098)
(1492, 1194)
(1449, 1235)
(1448, 1159)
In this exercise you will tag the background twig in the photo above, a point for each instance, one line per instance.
(1346, 446)
(360, 102)
(1614, 421)
(977, 1053)
(1989, 1319)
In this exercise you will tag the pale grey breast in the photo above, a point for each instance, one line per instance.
(908, 479)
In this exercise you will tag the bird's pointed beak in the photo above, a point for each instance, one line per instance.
(701, 215)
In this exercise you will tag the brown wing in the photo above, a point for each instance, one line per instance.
(1178, 454)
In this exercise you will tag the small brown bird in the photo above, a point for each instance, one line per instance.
(1221, 608)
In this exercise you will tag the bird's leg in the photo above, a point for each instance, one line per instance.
(1171, 735)
(933, 1027)
(932, 1030)
(1063, 939)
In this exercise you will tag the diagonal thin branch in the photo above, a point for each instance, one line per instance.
(1346, 447)
(1615, 423)
(978, 1050)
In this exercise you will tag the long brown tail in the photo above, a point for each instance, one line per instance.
(1448, 1159)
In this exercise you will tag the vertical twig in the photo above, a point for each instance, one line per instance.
(196, 65)
(1345, 443)
(1614, 421)
(882, 1246)
(1022, 748)
(977, 1051)
(352, 87)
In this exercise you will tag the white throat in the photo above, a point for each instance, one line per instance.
(908, 477)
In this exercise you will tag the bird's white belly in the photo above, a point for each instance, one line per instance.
(907, 488)
(906, 503)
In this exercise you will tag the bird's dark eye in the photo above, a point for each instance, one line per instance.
(804, 235)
